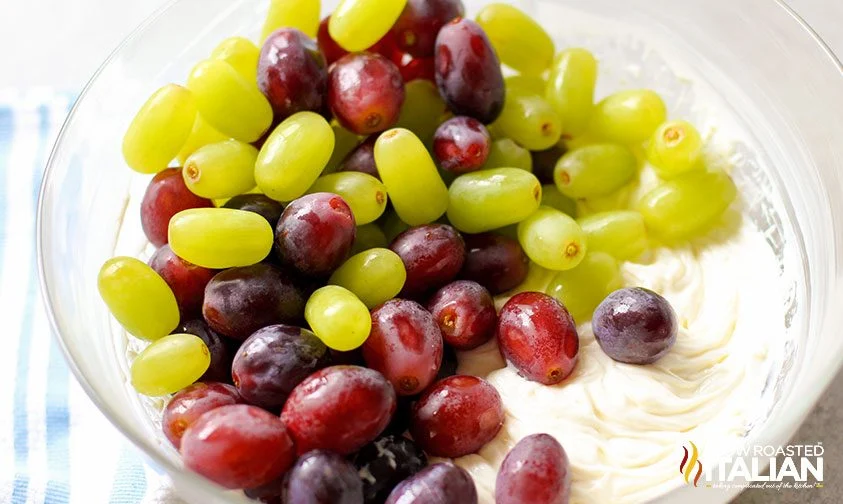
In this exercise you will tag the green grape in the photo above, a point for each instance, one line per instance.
(365, 194)
(570, 89)
(393, 226)
(628, 117)
(490, 199)
(338, 318)
(504, 153)
(529, 84)
(220, 238)
(423, 110)
(530, 120)
(228, 101)
(294, 155)
(594, 170)
(687, 204)
(368, 236)
(620, 233)
(552, 239)
(241, 53)
(301, 14)
(345, 142)
(201, 134)
(138, 297)
(170, 364)
(520, 42)
(160, 129)
(221, 170)
(674, 148)
(582, 288)
(551, 197)
(375, 276)
(357, 25)
(415, 188)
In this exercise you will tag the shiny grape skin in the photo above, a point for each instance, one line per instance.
(315, 234)
(461, 144)
(538, 336)
(189, 404)
(417, 27)
(262, 205)
(273, 360)
(292, 73)
(322, 477)
(405, 345)
(536, 470)
(433, 254)
(239, 301)
(544, 162)
(330, 49)
(187, 280)
(635, 325)
(339, 408)
(362, 158)
(465, 312)
(442, 483)
(221, 352)
(238, 446)
(365, 92)
(468, 72)
(166, 196)
(385, 463)
(414, 68)
(457, 416)
(495, 262)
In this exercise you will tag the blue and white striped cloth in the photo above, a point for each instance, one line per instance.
(55, 446)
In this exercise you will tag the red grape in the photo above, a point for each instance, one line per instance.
(330, 49)
(537, 335)
(191, 403)
(386, 462)
(495, 262)
(468, 71)
(322, 477)
(365, 92)
(414, 68)
(315, 233)
(442, 483)
(465, 312)
(362, 158)
(339, 408)
(292, 73)
(432, 254)
(405, 345)
(457, 416)
(536, 470)
(461, 145)
(186, 280)
(238, 446)
(220, 368)
(415, 31)
(166, 196)
(262, 205)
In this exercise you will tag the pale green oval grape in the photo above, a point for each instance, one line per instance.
(525, 84)
(345, 141)
(530, 121)
(368, 236)
(504, 153)
(220, 238)
(294, 155)
(241, 53)
(620, 233)
(520, 42)
(674, 148)
(357, 25)
(230, 103)
(201, 134)
(415, 188)
(594, 170)
(570, 89)
(301, 14)
(365, 194)
(221, 170)
(138, 297)
(628, 117)
(583, 288)
(338, 318)
(687, 204)
(423, 109)
(170, 364)
(160, 129)
(552, 239)
(374, 276)
(490, 199)
(551, 197)
(392, 225)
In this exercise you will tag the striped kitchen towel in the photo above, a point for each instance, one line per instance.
(55, 446)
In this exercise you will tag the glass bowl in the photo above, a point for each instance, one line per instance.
(780, 85)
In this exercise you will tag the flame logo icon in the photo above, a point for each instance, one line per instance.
(686, 468)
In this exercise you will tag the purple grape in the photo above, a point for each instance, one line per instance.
(186, 280)
(190, 403)
(465, 312)
(461, 145)
(362, 158)
(442, 483)
(292, 73)
(221, 355)
(365, 92)
(262, 205)
(322, 477)
(433, 254)
(415, 31)
(385, 463)
(536, 470)
(495, 262)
